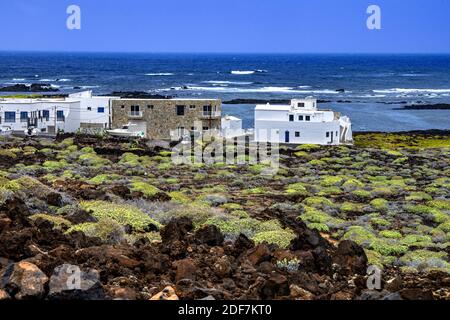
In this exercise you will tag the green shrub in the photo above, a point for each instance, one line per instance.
(418, 196)
(146, 189)
(379, 204)
(391, 234)
(122, 214)
(280, 237)
(359, 235)
(417, 240)
(58, 222)
(104, 178)
(109, 230)
(318, 202)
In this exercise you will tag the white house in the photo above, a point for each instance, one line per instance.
(51, 115)
(231, 127)
(300, 123)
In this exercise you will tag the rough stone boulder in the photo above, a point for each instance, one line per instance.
(23, 280)
(209, 235)
(175, 237)
(276, 286)
(176, 230)
(185, 269)
(69, 282)
(350, 258)
(167, 294)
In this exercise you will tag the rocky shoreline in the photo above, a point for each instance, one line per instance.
(437, 106)
(34, 87)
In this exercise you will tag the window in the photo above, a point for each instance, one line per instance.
(89, 108)
(336, 133)
(180, 110)
(301, 105)
(291, 117)
(150, 107)
(46, 115)
(24, 116)
(135, 111)
(308, 118)
(207, 111)
(180, 131)
(10, 117)
(328, 134)
(300, 118)
(297, 134)
(122, 107)
(101, 110)
(60, 115)
(205, 128)
(192, 106)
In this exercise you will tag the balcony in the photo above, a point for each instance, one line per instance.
(135, 114)
(211, 114)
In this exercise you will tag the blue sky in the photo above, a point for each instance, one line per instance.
(279, 26)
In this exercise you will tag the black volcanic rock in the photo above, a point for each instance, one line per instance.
(35, 87)
(137, 95)
(437, 106)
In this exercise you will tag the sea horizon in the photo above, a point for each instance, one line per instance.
(368, 87)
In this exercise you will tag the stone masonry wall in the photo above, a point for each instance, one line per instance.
(161, 115)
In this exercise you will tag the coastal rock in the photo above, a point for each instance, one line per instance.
(35, 87)
(23, 280)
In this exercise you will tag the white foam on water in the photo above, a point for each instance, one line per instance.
(250, 90)
(404, 90)
(160, 74)
(228, 82)
(242, 72)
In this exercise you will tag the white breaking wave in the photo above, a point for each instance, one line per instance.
(403, 90)
(160, 74)
(250, 90)
(414, 75)
(228, 82)
(54, 80)
(240, 72)
(89, 87)
(18, 79)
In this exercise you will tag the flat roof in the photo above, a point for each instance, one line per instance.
(273, 107)
(172, 99)
(33, 101)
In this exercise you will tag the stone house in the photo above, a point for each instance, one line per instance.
(167, 118)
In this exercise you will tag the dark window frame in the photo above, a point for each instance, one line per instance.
(291, 118)
(10, 119)
(180, 110)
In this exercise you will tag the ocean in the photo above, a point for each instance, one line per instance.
(367, 88)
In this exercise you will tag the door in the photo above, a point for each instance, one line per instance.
(286, 137)
(332, 138)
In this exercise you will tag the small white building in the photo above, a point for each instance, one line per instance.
(51, 115)
(232, 127)
(301, 122)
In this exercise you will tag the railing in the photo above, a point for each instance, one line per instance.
(211, 114)
(135, 114)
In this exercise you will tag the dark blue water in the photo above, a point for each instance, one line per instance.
(374, 84)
